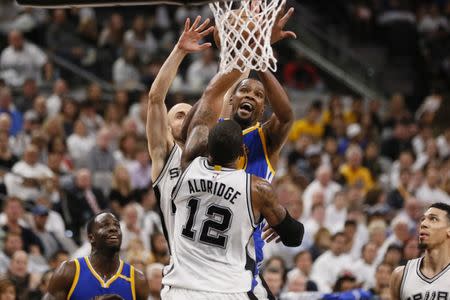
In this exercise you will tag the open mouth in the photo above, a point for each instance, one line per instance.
(113, 237)
(423, 235)
(247, 107)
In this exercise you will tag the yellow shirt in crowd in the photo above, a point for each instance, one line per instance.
(360, 175)
(303, 126)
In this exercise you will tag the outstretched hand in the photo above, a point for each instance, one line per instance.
(190, 38)
(278, 32)
(269, 234)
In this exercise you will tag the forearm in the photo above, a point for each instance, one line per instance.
(278, 98)
(166, 75)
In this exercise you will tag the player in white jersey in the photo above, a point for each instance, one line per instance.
(427, 277)
(164, 128)
(218, 207)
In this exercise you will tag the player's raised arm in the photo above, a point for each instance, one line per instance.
(160, 139)
(207, 114)
(396, 280)
(278, 126)
(265, 203)
(61, 282)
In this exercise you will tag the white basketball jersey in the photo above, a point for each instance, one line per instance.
(415, 286)
(163, 187)
(214, 223)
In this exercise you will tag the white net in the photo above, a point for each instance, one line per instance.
(245, 32)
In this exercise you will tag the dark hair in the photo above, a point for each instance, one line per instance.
(442, 206)
(225, 142)
(385, 264)
(301, 253)
(350, 223)
(316, 105)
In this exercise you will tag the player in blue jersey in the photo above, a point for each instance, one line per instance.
(102, 274)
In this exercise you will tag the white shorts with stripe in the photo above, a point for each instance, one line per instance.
(180, 294)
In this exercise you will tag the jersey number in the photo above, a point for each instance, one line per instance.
(211, 226)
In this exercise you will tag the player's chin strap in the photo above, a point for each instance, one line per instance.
(290, 231)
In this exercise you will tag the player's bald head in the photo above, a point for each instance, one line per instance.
(176, 116)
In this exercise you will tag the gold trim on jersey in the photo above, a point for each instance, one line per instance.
(75, 279)
(111, 280)
(133, 286)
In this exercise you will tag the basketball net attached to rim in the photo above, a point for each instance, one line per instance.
(245, 33)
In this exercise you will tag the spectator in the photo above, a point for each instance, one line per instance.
(42, 288)
(353, 173)
(131, 227)
(52, 242)
(314, 222)
(100, 158)
(80, 144)
(111, 36)
(274, 280)
(14, 213)
(21, 60)
(140, 170)
(430, 192)
(19, 275)
(398, 142)
(6, 106)
(345, 282)
(310, 125)
(327, 267)
(443, 143)
(125, 72)
(400, 234)
(296, 282)
(7, 289)
(322, 241)
(126, 154)
(90, 118)
(30, 174)
(303, 264)
(160, 249)
(121, 193)
(323, 182)
(336, 212)
(398, 196)
(202, 70)
(7, 158)
(29, 92)
(12, 243)
(153, 274)
(382, 278)
(55, 101)
(141, 39)
(364, 267)
(83, 201)
(433, 21)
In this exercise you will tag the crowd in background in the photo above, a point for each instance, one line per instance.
(357, 172)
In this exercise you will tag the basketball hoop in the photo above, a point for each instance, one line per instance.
(245, 34)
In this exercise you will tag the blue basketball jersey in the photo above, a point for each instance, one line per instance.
(256, 162)
(87, 284)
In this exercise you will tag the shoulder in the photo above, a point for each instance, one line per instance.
(64, 274)
(397, 275)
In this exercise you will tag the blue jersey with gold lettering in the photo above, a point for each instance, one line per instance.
(87, 284)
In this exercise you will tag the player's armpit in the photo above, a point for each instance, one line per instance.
(396, 281)
(61, 281)
(142, 291)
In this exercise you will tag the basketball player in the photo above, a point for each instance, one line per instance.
(427, 277)
(102, 274)
(262, 142)
(164, 128)
(217, 209)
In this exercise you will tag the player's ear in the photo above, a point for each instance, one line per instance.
(90, 238)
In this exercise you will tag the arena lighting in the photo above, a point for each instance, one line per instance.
(99, 3)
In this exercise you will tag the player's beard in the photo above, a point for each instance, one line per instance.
(244, 123)
(422, 246)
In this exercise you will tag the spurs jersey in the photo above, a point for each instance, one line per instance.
(416, 286)
(163, 187)
(213, 225)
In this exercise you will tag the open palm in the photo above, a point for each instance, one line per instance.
(192, 35)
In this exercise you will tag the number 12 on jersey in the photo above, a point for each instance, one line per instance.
(212, 230)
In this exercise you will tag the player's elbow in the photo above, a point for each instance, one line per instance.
(290, 231)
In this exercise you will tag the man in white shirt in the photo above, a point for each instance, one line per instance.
(131, 228)
(201, 71)
(322, 183)
(364, 268)
(28, 175)
(54, 102)
(429, 192)
(21, 60)
(330, 264)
